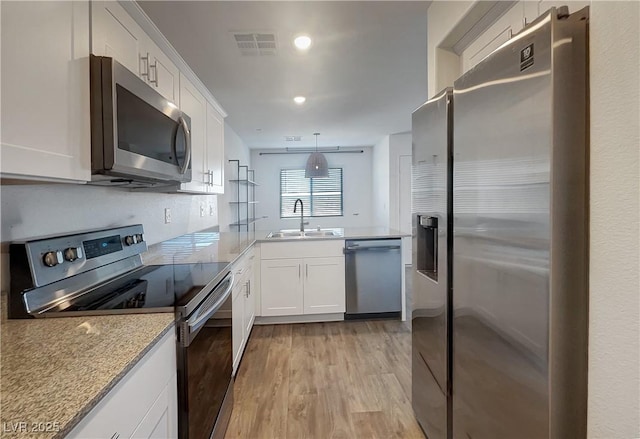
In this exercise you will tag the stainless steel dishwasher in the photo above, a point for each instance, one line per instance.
(373, 278)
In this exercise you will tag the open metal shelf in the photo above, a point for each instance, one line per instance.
(245, 201)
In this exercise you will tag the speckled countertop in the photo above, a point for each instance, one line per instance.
(56, 370)
(205, 246)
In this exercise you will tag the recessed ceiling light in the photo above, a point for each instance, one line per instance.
(299, 100)
(303, 42)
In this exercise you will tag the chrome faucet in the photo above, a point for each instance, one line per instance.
(295, 206)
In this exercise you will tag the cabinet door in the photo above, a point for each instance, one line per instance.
(215, 149)
(195, 106)
(324, 290)
(281, 287)
(159, 422)
(499, 33)
(45, 90)
(133, 404)
(237, 324)
(249, 309)
(114, 33)
(163, 75)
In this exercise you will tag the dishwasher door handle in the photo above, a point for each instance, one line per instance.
(353, 249)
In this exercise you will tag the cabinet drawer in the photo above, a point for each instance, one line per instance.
(123, 409)
(304, 249)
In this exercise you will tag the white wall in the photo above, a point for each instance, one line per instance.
(38, 210)
(386, 183)
(234, 149)
(399, 144)
(357, 183)
(380, 171)
(614, 315)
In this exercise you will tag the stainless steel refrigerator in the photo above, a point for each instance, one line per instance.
(500, 218)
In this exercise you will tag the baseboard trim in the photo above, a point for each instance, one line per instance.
(310, 318)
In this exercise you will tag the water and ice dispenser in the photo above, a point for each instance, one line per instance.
(427, 251)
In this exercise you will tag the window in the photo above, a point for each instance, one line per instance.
(321, 196)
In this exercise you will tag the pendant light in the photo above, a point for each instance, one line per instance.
(317, 165)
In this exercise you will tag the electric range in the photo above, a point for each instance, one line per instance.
(100, 272)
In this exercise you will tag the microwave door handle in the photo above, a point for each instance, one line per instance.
(187, 146)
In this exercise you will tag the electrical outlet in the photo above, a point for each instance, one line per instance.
(203, 209)
(212, 209)
(167, 215)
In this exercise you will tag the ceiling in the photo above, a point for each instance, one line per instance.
(365, 73)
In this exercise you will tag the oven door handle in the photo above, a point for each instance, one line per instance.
(194, 326)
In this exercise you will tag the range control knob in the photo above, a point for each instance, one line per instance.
(73, 253)
(130, 240)
(52, 258)
(139, 237)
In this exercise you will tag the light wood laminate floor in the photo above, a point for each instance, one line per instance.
(325, 380)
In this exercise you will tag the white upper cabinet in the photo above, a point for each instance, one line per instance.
(45, 91)
(510, 23)
(45, 118)
(116, 34)
(195, 106)
(215, 150)
(162, 74)
(207, 141)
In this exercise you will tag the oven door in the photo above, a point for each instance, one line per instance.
(136, 132)
(205, 355)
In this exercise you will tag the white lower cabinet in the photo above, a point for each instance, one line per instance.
(281, 287)
(324, 291)
(310, 283)
(143, 405)
(243, 305)
(237, 330)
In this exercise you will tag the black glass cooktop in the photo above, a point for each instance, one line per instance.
(147, 289)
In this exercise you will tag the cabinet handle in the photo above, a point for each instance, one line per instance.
(299, 268)
(146, 62)
(211, 177)
(306, 270)
(154, 66)
(246, 289)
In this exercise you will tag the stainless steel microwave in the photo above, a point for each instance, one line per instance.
(138, 137)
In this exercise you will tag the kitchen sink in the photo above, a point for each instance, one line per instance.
(285, 235)
(320, 233)
(288, 234)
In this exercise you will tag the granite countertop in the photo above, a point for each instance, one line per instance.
(205, 246)
(56, 370)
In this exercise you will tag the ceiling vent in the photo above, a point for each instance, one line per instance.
(256, 43)
(292, 138)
